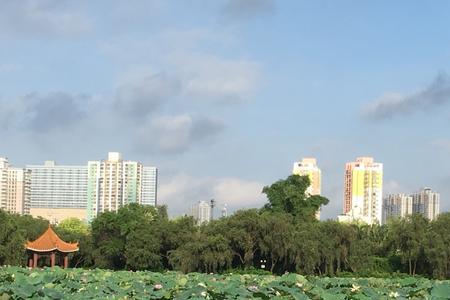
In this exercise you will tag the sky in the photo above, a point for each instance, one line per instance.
(223, 96)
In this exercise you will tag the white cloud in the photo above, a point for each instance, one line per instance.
(239, 193)
(219, 80)
(189, 57)
(41, 17)
(177, 133)
(143, 95)
(181, 191)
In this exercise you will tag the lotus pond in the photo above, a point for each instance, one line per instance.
(56, 283)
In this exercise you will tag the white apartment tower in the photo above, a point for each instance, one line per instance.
(308, 167)
(14, 188)
(201, 212)
(114, 182)
(58, 192)
(397, 206)
(363, 188)
(426, 202)
(149, 179)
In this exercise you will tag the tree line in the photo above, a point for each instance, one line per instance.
(283, 236)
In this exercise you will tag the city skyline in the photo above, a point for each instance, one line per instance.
(222, 95)
(56, 191)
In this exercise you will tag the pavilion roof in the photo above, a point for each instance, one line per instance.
(50, 241)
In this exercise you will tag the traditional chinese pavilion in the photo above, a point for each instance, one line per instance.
(49, 244)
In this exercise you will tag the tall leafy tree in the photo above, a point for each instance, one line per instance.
(276, 241)
(142, 249)
(437, 246)
(175, 233)
(290, 196)
(306, 248)
(73, 226)
(76, 230)
(108, 241)
(407, 239)
(11, 240)
(31, 228)
(129, 238)
(243, 231)
(204, 253)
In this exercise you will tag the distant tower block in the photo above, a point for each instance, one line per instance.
(224, 211)
(426, 202)
(201, 212)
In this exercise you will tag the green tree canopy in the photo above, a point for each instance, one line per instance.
(11, 240)
(74, 225)
(130, 238)
(289, 196)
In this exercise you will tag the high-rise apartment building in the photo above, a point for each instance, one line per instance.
(14, 188)
(4, 164)
(397, 206)
(363, 191)
(149, 186)
(58, 192)
(308, 167)
(426, 202)
(114, 182)
(201, 212)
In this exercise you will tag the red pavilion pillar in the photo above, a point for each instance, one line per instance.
(35, 259)
(66, 261)
(52, 259)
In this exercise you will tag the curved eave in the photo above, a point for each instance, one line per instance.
(48, 250)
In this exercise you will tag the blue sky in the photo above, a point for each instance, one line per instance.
(223, 96)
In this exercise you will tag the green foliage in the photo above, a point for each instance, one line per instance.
(75, 230)
(437, 246)
(129, 238)
(282, 237)
(290, 196)
(11, 240)
(276, 239)
(56, 283)
(205, 253)
(74, 226)
(31, 228)
(407, 237)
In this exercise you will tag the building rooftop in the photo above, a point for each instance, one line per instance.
(50, 241)
(114, 156)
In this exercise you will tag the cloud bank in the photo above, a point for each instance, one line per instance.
(145, 95)
(41, 114)
(177, 133)
(391, 105)
(41, 17)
